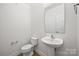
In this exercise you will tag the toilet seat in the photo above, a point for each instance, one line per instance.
(27, 49)
(28, 46)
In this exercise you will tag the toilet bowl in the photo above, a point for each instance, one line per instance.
(27, 50)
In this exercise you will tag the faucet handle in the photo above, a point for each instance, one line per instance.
(52, 36)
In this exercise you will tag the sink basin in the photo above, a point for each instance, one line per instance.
(54, 43)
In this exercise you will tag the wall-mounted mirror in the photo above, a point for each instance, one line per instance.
(54, 18)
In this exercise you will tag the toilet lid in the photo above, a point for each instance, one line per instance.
(28, 46)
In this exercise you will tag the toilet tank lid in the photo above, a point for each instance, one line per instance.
(34, 38)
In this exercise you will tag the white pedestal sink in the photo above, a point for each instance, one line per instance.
(52, 42)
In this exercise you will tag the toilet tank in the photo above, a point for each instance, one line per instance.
(34, 41)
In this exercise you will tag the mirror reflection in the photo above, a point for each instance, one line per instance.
(54, 18)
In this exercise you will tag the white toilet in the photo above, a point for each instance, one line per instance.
(27, 50)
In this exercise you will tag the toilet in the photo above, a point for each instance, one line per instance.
(27, 50)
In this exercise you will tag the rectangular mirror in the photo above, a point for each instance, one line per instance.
(54, 18)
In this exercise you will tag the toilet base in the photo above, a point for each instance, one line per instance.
(28, 54)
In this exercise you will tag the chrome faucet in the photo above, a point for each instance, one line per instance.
(52, 37)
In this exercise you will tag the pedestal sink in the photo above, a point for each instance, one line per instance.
(52, 42)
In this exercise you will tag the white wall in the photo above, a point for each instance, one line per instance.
(37, 24)
(37, 20)
(14, 26)
(69, 47)
(78, 30)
